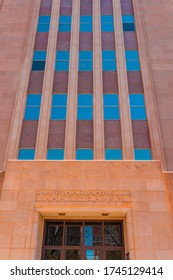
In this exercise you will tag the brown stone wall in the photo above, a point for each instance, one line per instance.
(12, 48)
(158, 19)
(132, 191)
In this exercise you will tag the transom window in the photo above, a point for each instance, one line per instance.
(83, 240)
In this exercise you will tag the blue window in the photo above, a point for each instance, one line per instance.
(85, 60)
(128, 23)
(26, 154)
(85, 23)
(65, 24)
(113, 154)
(32, 111)
(59, 103)
(55, 154)
(85, 110)
(111, 108)
(132, 60)
(84, 154)
(107, 23)
(62, 61)
(39, 60)
(43, 24)
(109, 60)
(143, 154)
(137, 107)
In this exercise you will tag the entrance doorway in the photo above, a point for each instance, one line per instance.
(83, 240)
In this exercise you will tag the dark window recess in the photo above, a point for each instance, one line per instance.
(112, 131)
(83, 240)
(38, 65)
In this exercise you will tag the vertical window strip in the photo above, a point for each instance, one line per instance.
(33, 103)
(136, 98)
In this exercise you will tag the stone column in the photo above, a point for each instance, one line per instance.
(20, 102)
(149, 93)
(126, 124)
(70, 135)
(43, 126)
(97, 84)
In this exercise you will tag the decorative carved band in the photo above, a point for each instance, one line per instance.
(83, 196)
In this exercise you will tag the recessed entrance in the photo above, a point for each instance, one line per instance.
(84, 240)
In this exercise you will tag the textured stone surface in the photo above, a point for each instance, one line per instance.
(106, 7)
(135, 82)
(141, 136)
(66, 7)
(36, 82)
(126, 6)
(85, 41)
(28, 134)
(56, 136)
(112, 134)
(108, 41)
(130, 41)
(84, 134)
(86, 7)
(63, 42)
(85, 82)
(60, 84)
(41, 41)
(110, 82)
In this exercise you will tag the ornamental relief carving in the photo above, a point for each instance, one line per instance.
(83, 196)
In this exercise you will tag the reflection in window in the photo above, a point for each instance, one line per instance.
(54, 235)
(112, 234)
(52, 254)
(72, 255)
(73, 236)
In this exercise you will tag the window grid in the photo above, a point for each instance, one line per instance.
(85, 60)
(26, 154)
(62, 61)
(111, 107)
(137, 107)
(59, 104)
(55, 154)
(32, 111)
(109, 60)
(64, 23)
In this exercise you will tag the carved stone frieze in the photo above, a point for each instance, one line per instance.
(83, 196)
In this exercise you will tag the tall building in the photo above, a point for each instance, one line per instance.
(86, 142)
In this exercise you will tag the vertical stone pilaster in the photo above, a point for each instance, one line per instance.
(149, 93)
(43, 127)
(97, 84)
(126, 125)
(70, 135)
(20, 102)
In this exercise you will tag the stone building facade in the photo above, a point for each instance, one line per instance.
(86, 154)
